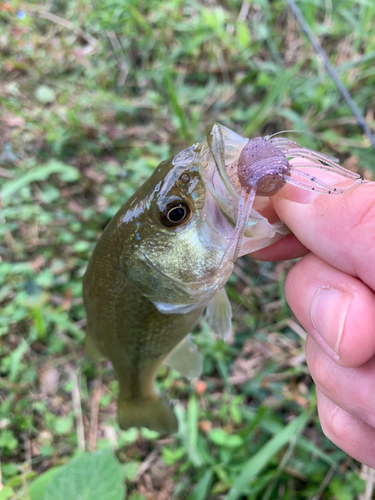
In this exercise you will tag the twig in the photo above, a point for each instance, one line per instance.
(77, 408)
(93, 431)
(65, 24)
(27, 446)
(293, 325)
(245, 7)
(6, 173)
(147, 464)
(332, 72)
(368, 475)
(325, 482)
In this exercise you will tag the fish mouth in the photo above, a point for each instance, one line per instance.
(219, 154)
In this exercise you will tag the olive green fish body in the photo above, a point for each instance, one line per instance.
(157, 266)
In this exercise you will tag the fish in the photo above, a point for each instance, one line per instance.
(166, 255)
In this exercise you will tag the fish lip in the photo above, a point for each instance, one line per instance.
(217, 145)
(221, 148)
(220, 153)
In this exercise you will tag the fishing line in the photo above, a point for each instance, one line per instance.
(333, 73)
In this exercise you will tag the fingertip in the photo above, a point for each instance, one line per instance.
(337, 228)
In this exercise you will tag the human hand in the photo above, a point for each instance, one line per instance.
(332, 293)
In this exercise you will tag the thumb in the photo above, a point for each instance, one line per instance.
(340, 229)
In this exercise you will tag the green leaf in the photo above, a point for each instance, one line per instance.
(45, 94)
(129, 470)
(39, 173)
(340, 489)
(243, 35)
(171, 456)
(6, 493)
(91, 476)
(16, 358)
(37, 487)
(7, 440)
(253, 466)
(63, 424)
(222, 438)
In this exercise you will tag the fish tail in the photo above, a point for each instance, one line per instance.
(154, 413)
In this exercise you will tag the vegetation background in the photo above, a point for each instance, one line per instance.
(94, 94)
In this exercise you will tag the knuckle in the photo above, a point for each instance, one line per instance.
(336, 423)
(321, 368)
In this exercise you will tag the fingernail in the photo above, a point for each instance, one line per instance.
(328, 314)
(305, 196)
(298, 194)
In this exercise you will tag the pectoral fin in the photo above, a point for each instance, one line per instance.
(186, 359)
(219, 314)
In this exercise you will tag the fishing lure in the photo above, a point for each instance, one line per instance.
(264, 167)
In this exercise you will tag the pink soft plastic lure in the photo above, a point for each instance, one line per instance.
(264, 167)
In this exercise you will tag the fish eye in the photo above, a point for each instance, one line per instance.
(175, 214)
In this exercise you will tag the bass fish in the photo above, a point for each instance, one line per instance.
(166, 255)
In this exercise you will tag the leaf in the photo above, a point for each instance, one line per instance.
(45, 94)
(6, 493)
(39, 173)
(63, 424)
(253, 466)
(16, 358)
(91, 476)
(7, 440)
(243, 35)
(37, 487)
(130, 470)
(171, 456)
(222, 438)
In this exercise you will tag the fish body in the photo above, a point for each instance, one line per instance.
(159, 263)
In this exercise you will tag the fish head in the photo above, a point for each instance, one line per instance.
(180, 222)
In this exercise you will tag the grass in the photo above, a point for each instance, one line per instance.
(93, 95)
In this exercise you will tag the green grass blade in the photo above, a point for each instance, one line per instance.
(261, 113)
(192, 438)
(264, 455)
(200, 492)
(174, 102)
(302, 442)
(139, 18)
